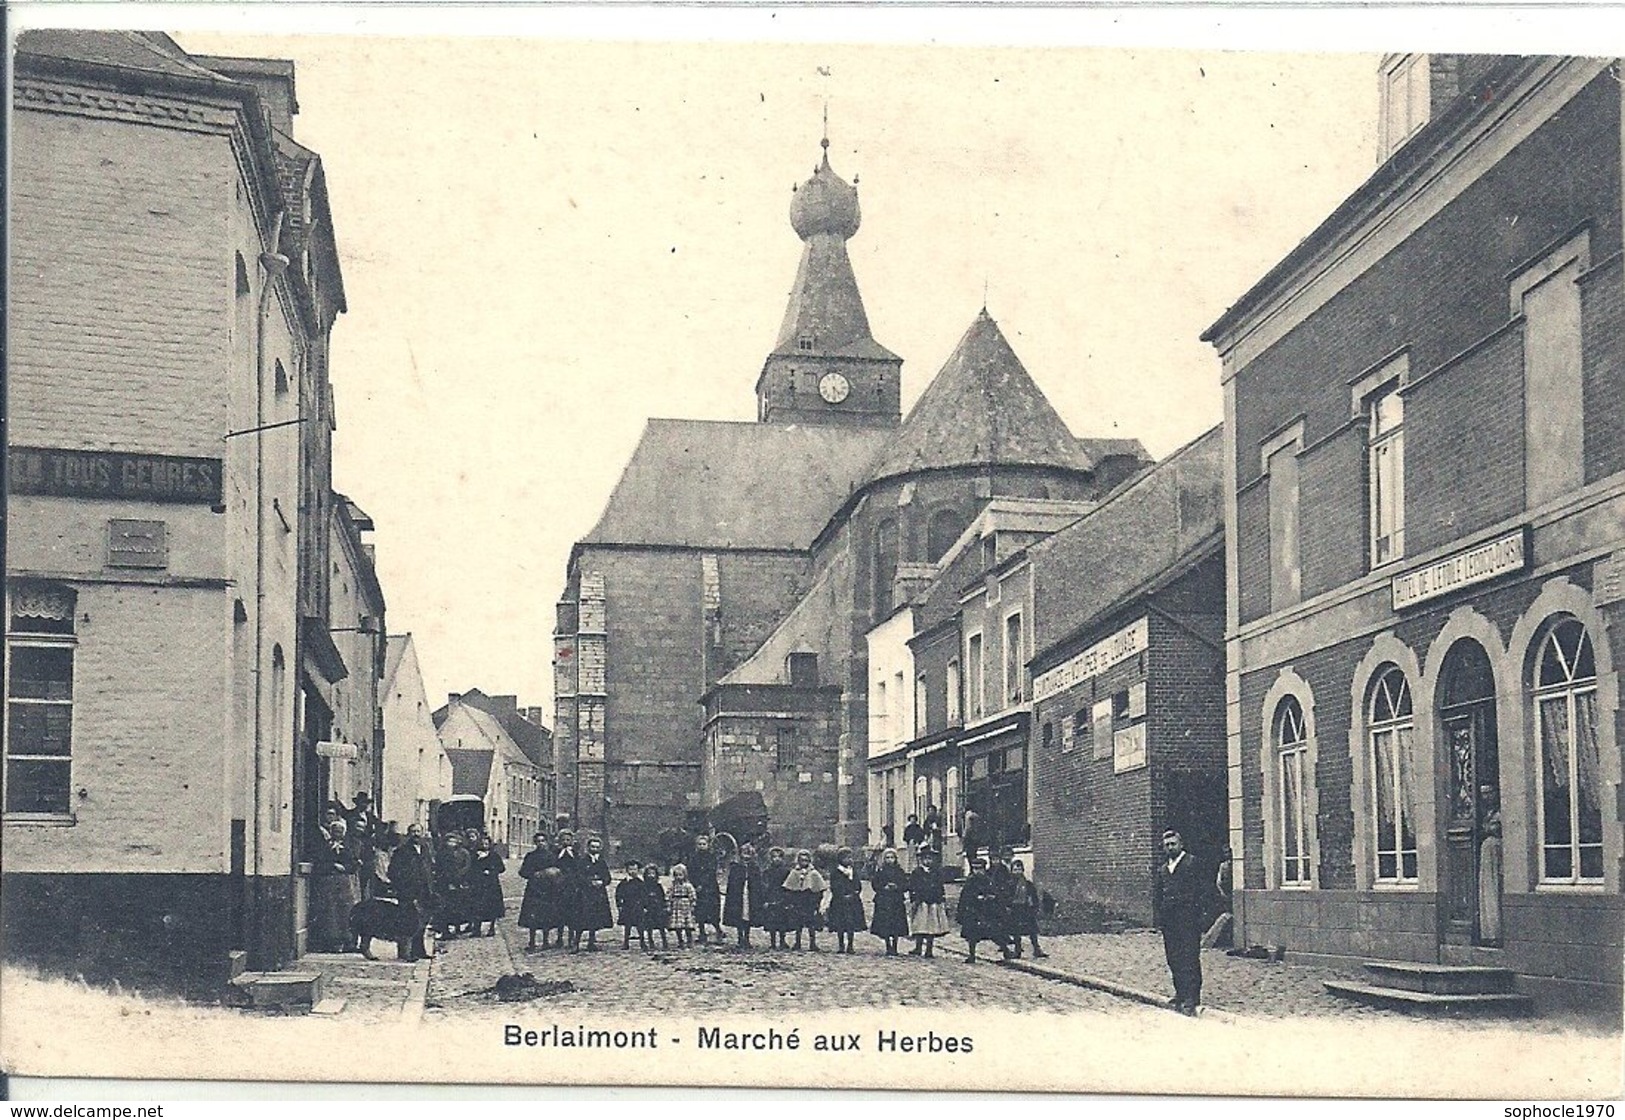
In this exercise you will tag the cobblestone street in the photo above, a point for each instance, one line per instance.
(708, 979)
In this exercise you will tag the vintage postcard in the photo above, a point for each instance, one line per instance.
(760, 560)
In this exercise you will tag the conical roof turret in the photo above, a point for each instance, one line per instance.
(982, 409)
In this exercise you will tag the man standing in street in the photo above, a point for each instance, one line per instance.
(1180, 904)
(412, 875)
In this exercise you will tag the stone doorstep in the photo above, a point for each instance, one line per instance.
(1505, 1003)
(1441, 979)
(287, 990)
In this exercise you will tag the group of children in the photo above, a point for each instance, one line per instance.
(784, 896)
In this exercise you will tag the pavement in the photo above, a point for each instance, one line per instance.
(1083, 971)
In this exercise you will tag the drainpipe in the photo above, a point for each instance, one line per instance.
(272, 265)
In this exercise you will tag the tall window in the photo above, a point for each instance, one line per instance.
(1393, 774)
(880, 718)
(950, 802)
(922, 795)
(1570, 775)
(1386, 474)
(1548, 297)
(899, 703)
(920, 712)
(786, 745)
(1285, 575)
(974, 677)
(1292, 761)
(1015, 660)
(39, 701)
(885, 566)
(955, 693)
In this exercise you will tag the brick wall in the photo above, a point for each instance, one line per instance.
(1441, 292)
(1331, 543)
(1096, 832)
(151, 705)
(121, 275)
(1602, 310)
(1464, 434)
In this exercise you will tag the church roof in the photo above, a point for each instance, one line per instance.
(982, 408)
(724, 484)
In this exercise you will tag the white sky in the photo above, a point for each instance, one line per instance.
(545, 243)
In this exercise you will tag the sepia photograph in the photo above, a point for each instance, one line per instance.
(811, 561)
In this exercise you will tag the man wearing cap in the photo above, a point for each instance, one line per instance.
(364, 828)
(1179, 906)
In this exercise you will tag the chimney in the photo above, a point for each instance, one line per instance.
(912, 582)
(453, 697)
(272, 79)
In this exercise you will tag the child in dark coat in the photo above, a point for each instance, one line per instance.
(656, 912)
(591, 897)
(630, 898)
(1024, 910)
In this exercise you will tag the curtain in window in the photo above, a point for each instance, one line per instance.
(1292, 816)
(1588, 768)
(1554, 773)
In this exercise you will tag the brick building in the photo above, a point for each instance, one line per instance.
(173, 284)
(1127, 685)
(727, 547)
(1425, 453)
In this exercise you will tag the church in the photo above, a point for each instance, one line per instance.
(710, 639)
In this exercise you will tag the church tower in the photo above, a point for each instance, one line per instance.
(826, 368)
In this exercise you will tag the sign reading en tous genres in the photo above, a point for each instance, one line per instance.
(1470, 566)
(1126, 643)
(113, 474)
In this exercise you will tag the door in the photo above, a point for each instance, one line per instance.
(1470, 876)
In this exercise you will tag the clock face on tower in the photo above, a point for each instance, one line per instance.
(833, 388)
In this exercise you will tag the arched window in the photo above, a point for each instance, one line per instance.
(885, 565)
(950, 802)
(922, 795)
(1393, 776)
(943, 530)
(1570, 772)
(1292, 759)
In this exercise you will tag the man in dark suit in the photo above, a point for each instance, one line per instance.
(1181, 902)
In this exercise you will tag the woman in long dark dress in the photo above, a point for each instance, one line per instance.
(891, 915)
(532, 908)
(845, 901)
(980, 915)
(702, 872)
(559, 897)
(485, 896)
(592, 898)
(451, 885)
(747, 892)
(336, 891)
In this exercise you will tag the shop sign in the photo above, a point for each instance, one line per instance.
(1128, 749)
(136, 544)
(61, 473)
(1126, 643)
(338, 750)
(1471, 566)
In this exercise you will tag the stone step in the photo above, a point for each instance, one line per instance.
(1440, 979)
(290, 991)
(328, 1006)
(1497, 1003)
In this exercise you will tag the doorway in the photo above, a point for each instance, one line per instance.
(1471, 872)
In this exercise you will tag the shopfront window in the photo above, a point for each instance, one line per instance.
(1393, 774)
(39, 702)
(1570, 773)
